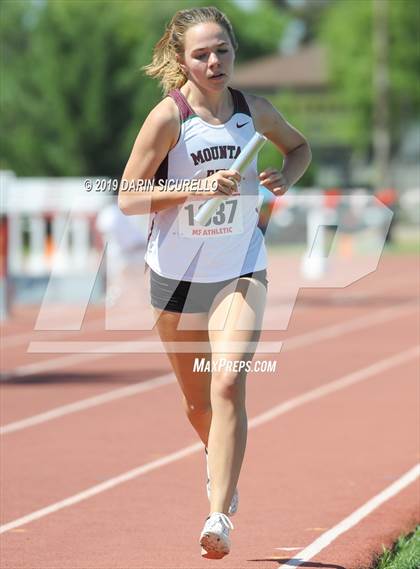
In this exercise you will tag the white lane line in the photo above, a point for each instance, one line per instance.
(13, 340)
(291, 344)
(289, 548)
(50, 364)
(88, 403)
(326, 332)
(21, 338)
(345, 294)
(148, 347)
(62, 362)
(364, 321)
(350, 296)
(269, 415)
(336, 385)
(103, 487)
(329, 536)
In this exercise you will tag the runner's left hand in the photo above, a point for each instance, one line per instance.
(274, 180)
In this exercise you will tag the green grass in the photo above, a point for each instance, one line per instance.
(404, 555)
(403, 248)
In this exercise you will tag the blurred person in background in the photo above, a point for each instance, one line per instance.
(267, 206)
(389, 197)
(126, 247)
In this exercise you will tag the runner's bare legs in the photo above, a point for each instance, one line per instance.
(228, 431)
(195, 385)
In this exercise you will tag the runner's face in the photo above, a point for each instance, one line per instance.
(208, 56)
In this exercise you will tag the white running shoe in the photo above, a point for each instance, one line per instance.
(234, 504)
(214, 538)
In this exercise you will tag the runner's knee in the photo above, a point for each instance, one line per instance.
(196, 408)
(229, 385)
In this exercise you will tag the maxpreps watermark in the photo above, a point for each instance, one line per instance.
(205, 365)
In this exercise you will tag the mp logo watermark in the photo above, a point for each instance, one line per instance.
(359, 223)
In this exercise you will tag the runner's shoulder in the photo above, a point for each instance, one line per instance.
(262, 110)
(257, 102)
(164, 120)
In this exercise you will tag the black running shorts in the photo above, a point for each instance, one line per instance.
(186, 296)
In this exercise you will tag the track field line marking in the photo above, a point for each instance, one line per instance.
(328, 331)
(60, 362)
(291, 344)
(16, 339)
(98, 323)
(115, 394)
(356, 324)
(269, 415)
(368, 294)
(353, 519)
(149, 347)
(345, 381)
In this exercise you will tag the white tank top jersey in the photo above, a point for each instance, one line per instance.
(231, 244)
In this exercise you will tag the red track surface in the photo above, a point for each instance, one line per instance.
(307, 468)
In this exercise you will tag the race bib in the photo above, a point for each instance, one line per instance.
(227, 220)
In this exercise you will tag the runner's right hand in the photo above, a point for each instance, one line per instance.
(220, 184)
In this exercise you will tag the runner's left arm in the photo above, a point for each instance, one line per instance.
(290, 142)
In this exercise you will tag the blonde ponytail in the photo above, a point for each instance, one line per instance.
(165, 65)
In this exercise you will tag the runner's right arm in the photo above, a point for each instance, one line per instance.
(157, 136)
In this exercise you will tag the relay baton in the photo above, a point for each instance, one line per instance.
(241, 163)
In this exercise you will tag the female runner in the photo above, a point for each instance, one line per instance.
(208, 284)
